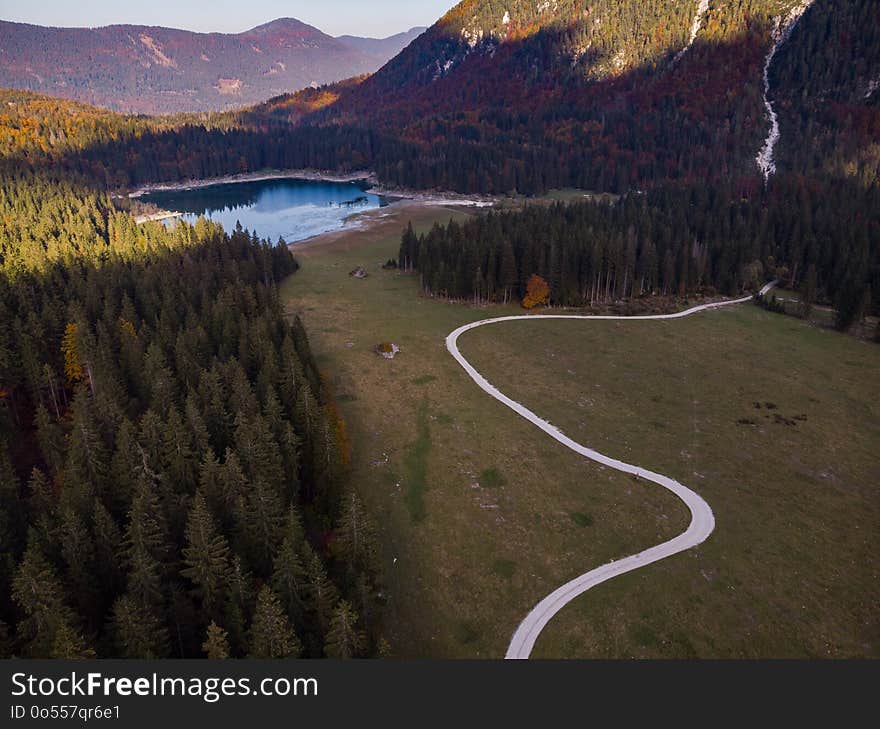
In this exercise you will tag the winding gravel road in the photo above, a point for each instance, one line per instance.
(702, 520)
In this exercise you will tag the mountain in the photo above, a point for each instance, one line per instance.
(152, 70)
(601, 94)
(382, 49)
(596, 94)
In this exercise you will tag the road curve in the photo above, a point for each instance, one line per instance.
(702, 520)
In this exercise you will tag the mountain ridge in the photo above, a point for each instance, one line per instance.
(156, 70)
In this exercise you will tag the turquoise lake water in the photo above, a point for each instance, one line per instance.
(291, 209)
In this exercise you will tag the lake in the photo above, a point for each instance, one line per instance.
(287, 208)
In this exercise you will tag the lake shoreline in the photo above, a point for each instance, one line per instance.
(157, 217)
(392, 199)
(310, 175)
(427, 197)
(395, 213)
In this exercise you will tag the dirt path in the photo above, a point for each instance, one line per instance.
(702, 519)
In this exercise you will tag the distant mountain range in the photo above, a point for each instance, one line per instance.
(152, 70)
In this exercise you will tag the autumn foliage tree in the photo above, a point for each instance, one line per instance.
(537, 292)
(70, 348)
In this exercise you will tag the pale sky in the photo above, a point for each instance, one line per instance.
(371, 18)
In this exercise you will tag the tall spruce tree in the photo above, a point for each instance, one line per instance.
(271, 635)
(344, 639)
(206, 558)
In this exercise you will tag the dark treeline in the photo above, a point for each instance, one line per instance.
(172, 468)
(672, 241)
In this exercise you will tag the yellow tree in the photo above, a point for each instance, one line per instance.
(70, 349)
(537, 292)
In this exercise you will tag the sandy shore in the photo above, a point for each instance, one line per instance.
(155, 217)
(393, 217)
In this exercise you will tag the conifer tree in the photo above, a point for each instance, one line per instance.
(216, 645)
(271, 635)
(126, 465)
(108, 544)
(291, 375)
(239, 604)
(808, 294)
(137, 632)
(214, 408)
(163, 390)
(87, 460)
(77, 550)
(70, 645)
(304, 352)
(258, 451)
(344, 639)
(50, 436)
(12, 513)
(43, 507)
(357, 535)
(49, 625)
(73, 367)
(145, 548)
(206, 557)
(177, 453)
(321, 594)
(260, 516)
(200, 436)
(288, 573)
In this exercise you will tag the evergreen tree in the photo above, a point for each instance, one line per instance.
(239, 604)
(206, 557)
(145, 548)
(87, 462)
(808, 293)
(50, 436)
(70, 645)
(260, 516)
(288, 573)
(216, 645)
(48, 628)
(271, 635)
(77, 548)
(43, 507)
(344, 640)
(107, 546)
(163, 334)
(137, 631)
(321, 594)
(357, 536)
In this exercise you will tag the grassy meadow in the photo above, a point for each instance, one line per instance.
(482, 515)
(774, 422)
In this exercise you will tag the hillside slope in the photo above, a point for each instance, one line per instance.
(150, 70)
(588, 93)
(511, 109)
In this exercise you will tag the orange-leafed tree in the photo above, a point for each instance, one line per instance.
(70, 348)
(537, 292)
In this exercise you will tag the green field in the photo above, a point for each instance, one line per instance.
(483, 515)
(775, 423)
